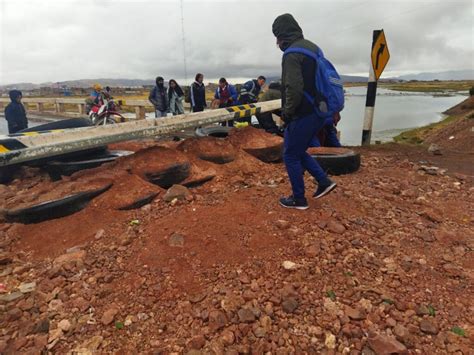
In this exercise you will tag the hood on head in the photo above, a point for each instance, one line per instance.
(286, 30)
(160, 80)
(14, 94)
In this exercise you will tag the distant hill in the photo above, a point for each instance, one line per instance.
(467, 74)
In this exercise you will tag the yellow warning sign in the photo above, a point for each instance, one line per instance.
(380, 55)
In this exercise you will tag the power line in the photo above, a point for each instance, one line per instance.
(184, 44)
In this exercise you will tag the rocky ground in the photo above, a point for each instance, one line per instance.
(383, 265)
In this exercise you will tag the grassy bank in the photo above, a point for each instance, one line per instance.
(418, 135)
(429, 86)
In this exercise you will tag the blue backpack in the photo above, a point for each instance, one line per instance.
(329, 91)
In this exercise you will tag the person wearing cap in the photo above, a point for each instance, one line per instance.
(15, 113)
(159, 98)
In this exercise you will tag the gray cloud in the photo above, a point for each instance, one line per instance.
(69, 39)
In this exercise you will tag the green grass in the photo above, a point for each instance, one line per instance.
(418, 135)
(331, 294)
(429, 86)
(459, 331)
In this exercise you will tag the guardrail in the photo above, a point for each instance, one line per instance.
(23, 147)
(62, 106)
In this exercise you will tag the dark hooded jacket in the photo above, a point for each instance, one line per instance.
(298, 70)
(158, 97)
(15, 113)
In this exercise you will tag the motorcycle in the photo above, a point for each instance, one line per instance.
(106, 113)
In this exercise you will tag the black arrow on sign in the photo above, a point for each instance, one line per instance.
(379, 53)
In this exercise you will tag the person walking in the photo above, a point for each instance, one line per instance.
(15, 113)
(298, 112)
(159, 98)
(197, 94)
(175, 97)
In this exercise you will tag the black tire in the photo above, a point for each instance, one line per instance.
(174, 174)
(336, 161)
(66, 167)
(54, 208)
(213, 131)
(63, 124)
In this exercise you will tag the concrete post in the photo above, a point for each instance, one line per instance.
(140, 112)
(81, 109)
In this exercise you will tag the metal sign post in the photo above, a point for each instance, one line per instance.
(379, 57)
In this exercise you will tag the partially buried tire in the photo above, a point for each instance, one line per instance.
(62, 124)
(54, 208)
(336, 161)
(213, 131)
(67, 167)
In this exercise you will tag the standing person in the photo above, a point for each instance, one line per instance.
(298, 113)
(265, 119)
(15, 113)
(251, 89)
(175, 97)
(327, 136)
(159, 98)
(197, 94)
(227, 96)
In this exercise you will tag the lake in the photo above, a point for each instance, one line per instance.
(395, 111)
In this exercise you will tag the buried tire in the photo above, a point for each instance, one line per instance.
(62, 124)
(54, 208)
(56, 169)
(213, 131)
(336, 161)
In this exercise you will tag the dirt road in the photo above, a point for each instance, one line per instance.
(381, 265)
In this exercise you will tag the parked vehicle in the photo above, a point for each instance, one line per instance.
(107, 113)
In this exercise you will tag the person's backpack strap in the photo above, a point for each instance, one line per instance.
(329, 93)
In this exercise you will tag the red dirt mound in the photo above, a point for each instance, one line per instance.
(253, 138)
(150, 160)
(126, 191)
(262, 145)
(457, 136)
(461, 108)
(212, 149)
(48, 191)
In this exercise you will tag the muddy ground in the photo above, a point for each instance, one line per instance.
(381, 265)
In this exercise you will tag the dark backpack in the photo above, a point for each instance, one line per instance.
(329, 90)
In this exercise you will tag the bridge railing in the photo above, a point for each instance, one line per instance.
(75, 107)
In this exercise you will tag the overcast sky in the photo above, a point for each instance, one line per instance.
(56, 40)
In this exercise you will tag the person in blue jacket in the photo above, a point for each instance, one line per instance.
(327, 136)
(15, 113)
(251, 89)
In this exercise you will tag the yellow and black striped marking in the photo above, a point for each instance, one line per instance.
(242, 111)
(29, 134)
(9, 144)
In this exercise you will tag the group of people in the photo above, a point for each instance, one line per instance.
(304, 125)
(167, 100)
(170, 99)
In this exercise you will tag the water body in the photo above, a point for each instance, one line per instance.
(395, 111)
